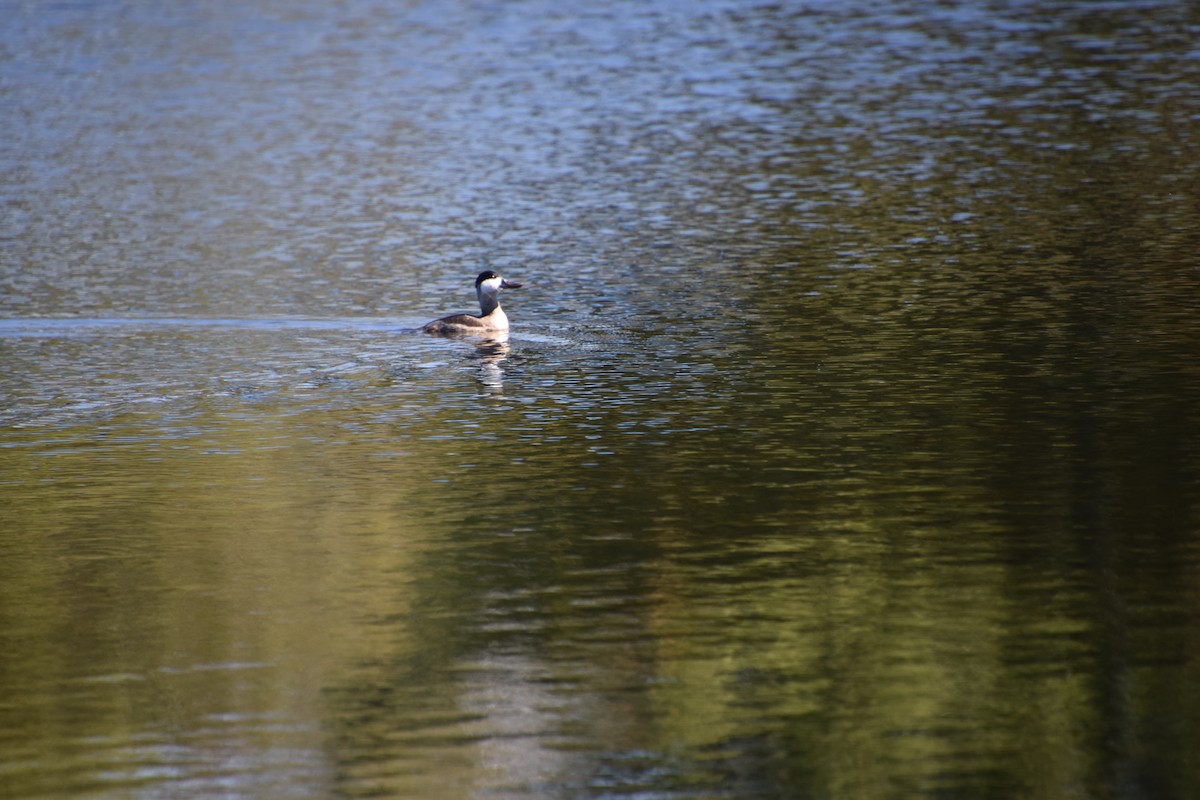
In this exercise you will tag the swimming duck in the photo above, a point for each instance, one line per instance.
(491, 320)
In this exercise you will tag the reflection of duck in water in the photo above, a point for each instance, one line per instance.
(491, 320)
(491, 352)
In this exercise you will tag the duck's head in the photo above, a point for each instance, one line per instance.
(490, 283)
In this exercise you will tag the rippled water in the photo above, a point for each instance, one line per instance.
(846, 443)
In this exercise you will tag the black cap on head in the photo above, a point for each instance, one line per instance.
(486, 275)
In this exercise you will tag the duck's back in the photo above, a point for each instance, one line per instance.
(468, 323)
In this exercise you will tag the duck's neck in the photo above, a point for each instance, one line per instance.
(489, 303)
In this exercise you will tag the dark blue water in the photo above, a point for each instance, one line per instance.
(845, 444)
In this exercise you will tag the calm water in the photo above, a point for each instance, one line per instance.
(846, 444)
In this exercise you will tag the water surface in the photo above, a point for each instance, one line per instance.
(846, 443)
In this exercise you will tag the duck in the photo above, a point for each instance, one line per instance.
(491, 319)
